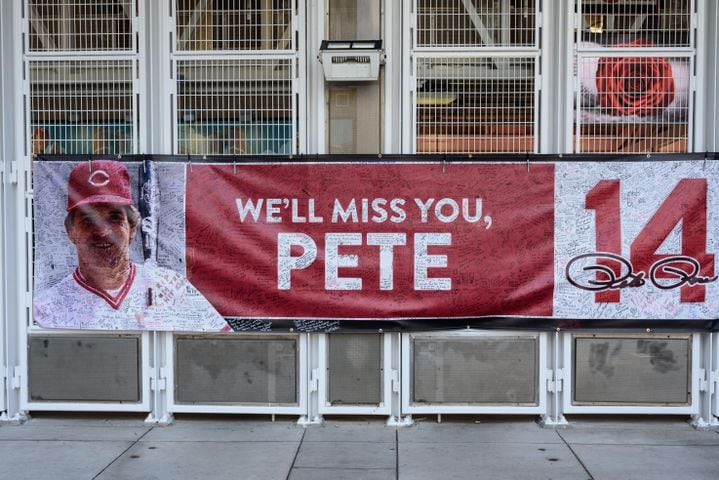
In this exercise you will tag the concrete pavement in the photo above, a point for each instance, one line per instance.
(230, 447)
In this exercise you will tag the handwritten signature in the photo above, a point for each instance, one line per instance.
(669, 269)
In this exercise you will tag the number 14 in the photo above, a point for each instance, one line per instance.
(687, 203)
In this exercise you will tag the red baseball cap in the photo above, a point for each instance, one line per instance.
(98, 181)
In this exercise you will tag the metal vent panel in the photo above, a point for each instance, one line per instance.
(480, 370)
(236, 371)
(355, 369)
(611, 371)
(84, 368)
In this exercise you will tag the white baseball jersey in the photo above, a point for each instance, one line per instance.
(152, 298)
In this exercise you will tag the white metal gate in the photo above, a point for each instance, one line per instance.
(624, 50)
(475, 76)
(82, 91)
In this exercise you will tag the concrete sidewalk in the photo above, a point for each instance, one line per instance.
(226, 447)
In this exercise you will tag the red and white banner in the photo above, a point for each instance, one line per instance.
(371, 240)
(581, 243)
(636, 240)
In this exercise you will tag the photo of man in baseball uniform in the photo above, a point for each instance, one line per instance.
(107, 290)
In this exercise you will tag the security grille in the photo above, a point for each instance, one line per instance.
(634, 68)
(487, 370)
(478, 104)
(355, 369)
(666, 22)
(209, 25)
(88, 104)
(87, 25)
(631, 371)
(475, 23)
(242, 106)
(82, 106)
(84, 368)
(236, 370)
(467, 100)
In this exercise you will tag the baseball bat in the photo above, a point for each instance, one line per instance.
(149, 209)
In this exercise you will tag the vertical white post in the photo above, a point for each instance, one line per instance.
(299, 20)
(16, 296)
(705, 138)
(556, 366)
(699, 32)
(714, 379)
(557, 80)
(707, 68)
(713, 77)
(156, 87)
(393, 73)
(703, 419)
(313, 365)
(4, 167)
(315, 80)
(156, 76)
(407, 120)
(394, 396)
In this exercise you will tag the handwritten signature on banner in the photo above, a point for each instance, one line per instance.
(606, 265)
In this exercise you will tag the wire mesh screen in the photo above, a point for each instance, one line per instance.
(630, 99)
(240, 106)
(232, 25)
(633, 103)
(82, 106)
(87, 25)
(661, 22)
(476, 23)
(475, 104)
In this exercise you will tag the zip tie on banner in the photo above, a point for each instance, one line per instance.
(89, 165)
(526, 159)
(189, 162)
(444, 162)
(234, 166)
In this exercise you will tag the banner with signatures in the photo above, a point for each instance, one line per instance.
(404, 243)
(636, 240)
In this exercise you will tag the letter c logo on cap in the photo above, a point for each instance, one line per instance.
(99, 183)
